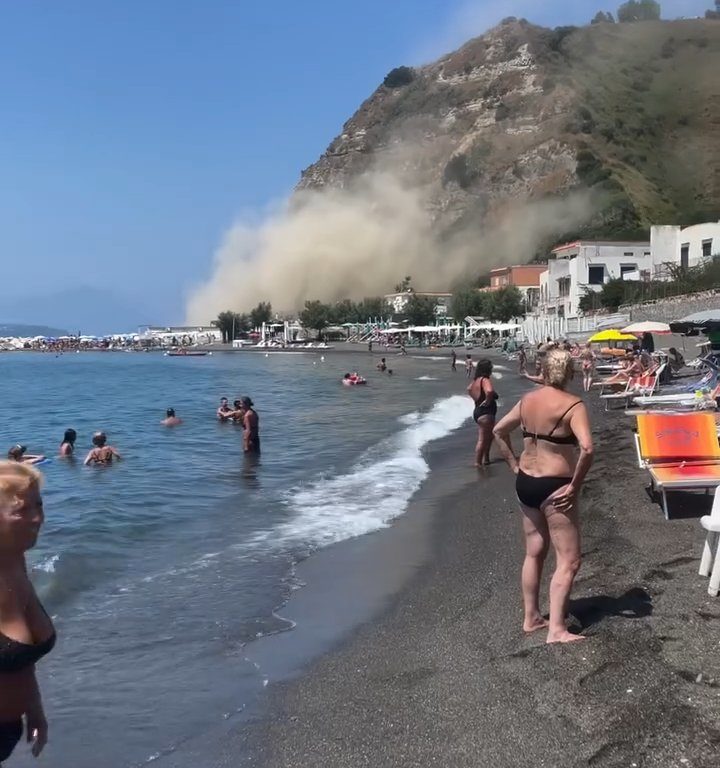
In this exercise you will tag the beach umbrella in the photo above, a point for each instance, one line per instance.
(647, 327)
(612, 334)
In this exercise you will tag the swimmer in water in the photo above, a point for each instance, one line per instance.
(251, 427)
(171, 420)
(18, 453)
(224, 412)
(102, 454)
(67, 447)
(382, 366)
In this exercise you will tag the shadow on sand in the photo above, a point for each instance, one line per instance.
(636, 603)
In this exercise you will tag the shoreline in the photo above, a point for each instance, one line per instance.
(445, 675)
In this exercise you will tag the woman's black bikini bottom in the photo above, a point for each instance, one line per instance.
(535, 491)
(10, 734)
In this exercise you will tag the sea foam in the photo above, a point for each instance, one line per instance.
(377, 489)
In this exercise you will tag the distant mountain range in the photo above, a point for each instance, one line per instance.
(28, 331)
(84, 309)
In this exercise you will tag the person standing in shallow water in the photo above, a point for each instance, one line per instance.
(556, 457)
(453, 361)
(171, 420)
(251, 426)
(485, 398)
(26, 631)
(102, 454)
(67, 447)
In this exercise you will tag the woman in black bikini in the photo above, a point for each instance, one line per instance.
(485, 398)
(26, 632)
(556, 457)
(102, 454)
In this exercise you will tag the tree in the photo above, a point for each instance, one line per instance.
(468, 302)
(261, 314)
(603, 18)
(344, 311)
(639, 10)
(419, 310)
(370, 309)
(226, 322)
(315, 315)
(506, 304)
(405, 285)
(398, 77)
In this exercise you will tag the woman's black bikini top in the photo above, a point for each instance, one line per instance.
(16, 656)
(550, 438)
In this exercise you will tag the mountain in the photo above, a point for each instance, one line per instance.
(84, 309)
(628, 114)
(29, 331)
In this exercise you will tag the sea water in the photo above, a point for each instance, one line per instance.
(160, 570)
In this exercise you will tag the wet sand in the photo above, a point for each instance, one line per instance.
(446, 677)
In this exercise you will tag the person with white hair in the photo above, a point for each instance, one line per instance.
(556, 457)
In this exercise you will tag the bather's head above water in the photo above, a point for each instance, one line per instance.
(99, 439)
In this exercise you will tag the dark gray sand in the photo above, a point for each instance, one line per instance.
(447, 678)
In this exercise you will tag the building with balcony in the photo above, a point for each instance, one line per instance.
(587, 265)
(683, 246)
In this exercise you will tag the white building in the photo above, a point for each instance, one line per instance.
(398, 301)
(684, 246)
(586, 266)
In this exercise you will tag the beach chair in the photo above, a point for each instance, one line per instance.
(639, 386)
(679, 450)
(710, 562)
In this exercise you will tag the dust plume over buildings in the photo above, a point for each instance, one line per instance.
(351, 243)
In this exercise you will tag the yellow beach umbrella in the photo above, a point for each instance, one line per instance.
(612, 334)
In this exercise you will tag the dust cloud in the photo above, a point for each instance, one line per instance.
(353, 243)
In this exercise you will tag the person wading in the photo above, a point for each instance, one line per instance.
(485, 398)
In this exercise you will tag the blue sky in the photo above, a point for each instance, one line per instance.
(133, 133)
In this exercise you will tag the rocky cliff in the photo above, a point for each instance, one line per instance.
(630, 112)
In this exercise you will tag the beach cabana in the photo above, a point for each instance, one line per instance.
(680, 451)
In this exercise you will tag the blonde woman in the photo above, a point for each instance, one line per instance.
(26, 631)
(557, 454)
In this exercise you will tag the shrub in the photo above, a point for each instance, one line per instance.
(502, 112)
(557, 37)
(457, 171)
(398, 77)
(639, 10)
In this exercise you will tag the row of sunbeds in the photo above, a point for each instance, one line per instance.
(677, 443)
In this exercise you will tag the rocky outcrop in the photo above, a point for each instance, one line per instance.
(527, 113)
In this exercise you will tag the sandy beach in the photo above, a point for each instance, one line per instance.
(439, 671)
(446, 677)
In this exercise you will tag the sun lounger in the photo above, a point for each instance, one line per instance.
(680, 451)
(640, 386)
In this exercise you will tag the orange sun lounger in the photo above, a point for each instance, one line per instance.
(681, 451)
